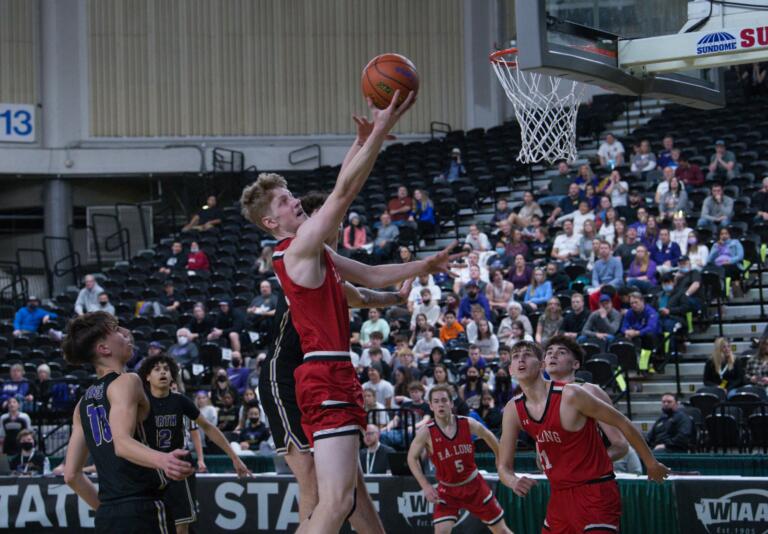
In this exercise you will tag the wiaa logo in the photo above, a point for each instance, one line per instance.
(740, 511)
(715, 42)
(417, 510)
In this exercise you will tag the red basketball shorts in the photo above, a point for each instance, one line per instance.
(592, 508)
(330, 398)
(475, 497)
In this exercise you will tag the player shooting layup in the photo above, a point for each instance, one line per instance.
(328, 392)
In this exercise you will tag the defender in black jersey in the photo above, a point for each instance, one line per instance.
(107, 423)
(165, 430)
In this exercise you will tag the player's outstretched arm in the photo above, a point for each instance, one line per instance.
(505, 461)
(619, 446)
(361, 297)
(376, 276)
(486, 435)
(592, 407)
(414, 462)
(215, 435)
(124, 395)
(197, 442)
(311, 235)
(77, 454)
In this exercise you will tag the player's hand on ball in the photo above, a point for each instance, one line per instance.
(431, 494)
(175, 465)
(385, 119)
(240, 468)
(364, 129)
(523, 485)
(657, 472)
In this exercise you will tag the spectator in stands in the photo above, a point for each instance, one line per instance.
(723, 369)
(589, 244)
(42, 387)
(11, 424)
(602, 324)
(228, 412)
(229, 325)
(502, 212)
(697, 252)
(478, 240)
(498, 292)
(641, 224)
(540, 247)
(690, 174)
(586, 177)
(374, 457)
(262, 308)
(88, 298)
(617, 188)
(452, 328)
(627, 250)
(486, 341)
(386, 239)
(550, 322)
(208, 217)
(728, 254)
(354, 236)
(526, 212)
(376, 340)
(504, 387)
(473, 297)
(680, 231)
(168, 302)
(760, 202)
(455, 170)
(30, 461)
(200, 325)
(673, 305)
(664, 159)
(183, 351)
(451, 303)
(383, 389)
(16, 386)
(471, 391)
(568, 204)
(418, 328)
(611, 152)
(666, 252)
(424, 346)
(197, 260)
(423, 213)
(517, 245)
(757, 366)
(373, 323)
(176, 262)
(643, 160)
(369, 404)
(558, 185)
(566, 245)
(29, 318)
(651, 232)
(238, 375)
(558, 279)
(203, 403)
(717, 209)
(489, 413)
(519, 276)
(104, 304)
(579, 217)
(514, 329)
(620, 229)
(573, 323)
(635, 202)
(672, 431)
(642, 271)
(415, 403)
(254, 435)
(539, 291)
(400, 207)
(264, 262)
(641, 327)
(675, 199)
(423, 282)
(689, 282)
(722, 164)
(607, 269)
(221, 386)
(428, 307)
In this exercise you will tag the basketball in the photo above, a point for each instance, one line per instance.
(385, 74)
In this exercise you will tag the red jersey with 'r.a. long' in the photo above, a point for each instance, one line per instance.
(320, 315)
(453, 457)
(569, 459)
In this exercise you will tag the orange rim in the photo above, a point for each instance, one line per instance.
(500, 57)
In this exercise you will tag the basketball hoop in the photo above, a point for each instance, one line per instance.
(545, 111)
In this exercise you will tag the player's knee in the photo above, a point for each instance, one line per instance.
(341, 501)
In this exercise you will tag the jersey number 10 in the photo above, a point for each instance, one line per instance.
(97, 415)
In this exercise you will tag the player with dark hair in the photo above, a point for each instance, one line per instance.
(448, 440)
(165, 429)
(562, 358)
(107, 422)
(562, 420)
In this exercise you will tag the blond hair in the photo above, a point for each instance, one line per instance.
(256, 197)
(718, 355)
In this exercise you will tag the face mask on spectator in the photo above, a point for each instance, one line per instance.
(685, 269)
(103, 303)
(691, 240)
(194, 250)
(254, 421)
(183, 340)
(27, 446)
(32, 306)
(221, 379)
(500, 251)
(668, 287)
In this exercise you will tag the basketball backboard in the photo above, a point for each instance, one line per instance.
(580, 40)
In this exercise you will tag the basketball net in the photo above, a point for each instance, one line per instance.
(545, 107)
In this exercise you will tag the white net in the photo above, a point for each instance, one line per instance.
(545, 107)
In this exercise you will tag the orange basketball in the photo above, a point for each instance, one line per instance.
(385, 74)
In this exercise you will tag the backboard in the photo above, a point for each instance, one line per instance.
(580, 40)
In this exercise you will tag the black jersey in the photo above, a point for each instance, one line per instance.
(165, 427)
(118, 478)
(285, 350)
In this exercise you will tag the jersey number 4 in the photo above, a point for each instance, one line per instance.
(543, 460)
(97, 415)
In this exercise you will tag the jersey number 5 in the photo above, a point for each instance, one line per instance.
(543, 460)
(459, 466)
(97, 416)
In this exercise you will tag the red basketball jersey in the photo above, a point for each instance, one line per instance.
(569, 459)
(320, 315)
(453, 457)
